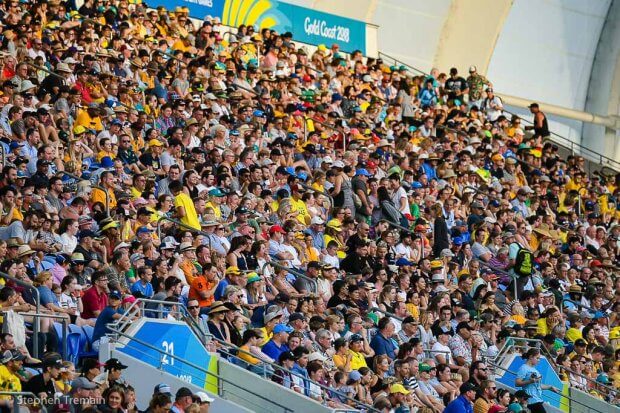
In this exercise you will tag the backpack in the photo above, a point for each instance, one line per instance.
(524, 262)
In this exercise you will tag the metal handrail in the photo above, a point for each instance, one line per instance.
(37, 297)
(279, 367)
(182, 225)
(293, 271)
(571, 146)
(488, 195)
(22, 394)
(611, 163)
(344, 135)
(53, 316)
(99, 187)
(400, 227)
(398, 62)
(195, 366)
(590, 379)
(578, 304)
(385, 313)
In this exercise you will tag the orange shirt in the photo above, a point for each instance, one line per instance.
(190, 271)
(198, 285)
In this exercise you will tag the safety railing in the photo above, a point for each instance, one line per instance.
(296, 273)
(333, 129)
(557, 398)
(64, 321)
(24, 398)
(118, 333)
(577, 304)
(589, 379)
(574, 147)
(165, 308)
(563, 141)
(495, 197)
(102, 189)
(385, 313)
(37, 299)
(400, 63)
(230, 350)
(397, 226)
(182, 225)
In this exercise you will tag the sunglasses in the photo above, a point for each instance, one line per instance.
(192, 307)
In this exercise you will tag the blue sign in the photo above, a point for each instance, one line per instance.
(174, 339)
(307, 25)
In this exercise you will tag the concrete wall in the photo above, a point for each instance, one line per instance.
(604, 91)
(294, 402)
(144, 378)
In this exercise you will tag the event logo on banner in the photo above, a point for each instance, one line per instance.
(307, 25)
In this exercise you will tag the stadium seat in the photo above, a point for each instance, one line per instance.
(88, 330)
(84, 349)
(58, 330)
(73, 348)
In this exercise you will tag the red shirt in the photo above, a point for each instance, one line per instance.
(84, 91)
(93, 301)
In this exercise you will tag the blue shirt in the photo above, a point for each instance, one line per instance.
(533, 390)
(47, 296)
(382, 345)
(145, 290)
(219, 290)
(459, 405)
(273, 350)
(105, 317)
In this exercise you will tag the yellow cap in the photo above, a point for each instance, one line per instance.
(398, 388)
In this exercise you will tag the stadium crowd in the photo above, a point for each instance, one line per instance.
(381, 234)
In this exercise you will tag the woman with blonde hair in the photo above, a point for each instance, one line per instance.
(44, 282)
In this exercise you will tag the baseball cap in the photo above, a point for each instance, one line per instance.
(355, 375)
(115, 294)
(425, 367)
(467, 386)
(398, 388)
(317, 220)
(114, 363)
(276, 228)
(163, 388)
(203, 397)
(282, 328)
(295, 317)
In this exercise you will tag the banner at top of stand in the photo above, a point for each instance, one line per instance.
(307, 25)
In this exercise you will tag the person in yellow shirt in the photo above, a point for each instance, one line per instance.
(89, 119)
(107, 181)
(549, 321)
(574, 332)
(251, 339)
(356, 345)
(299, 206)
(12, 363)
(184, 205)
(216, 196)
